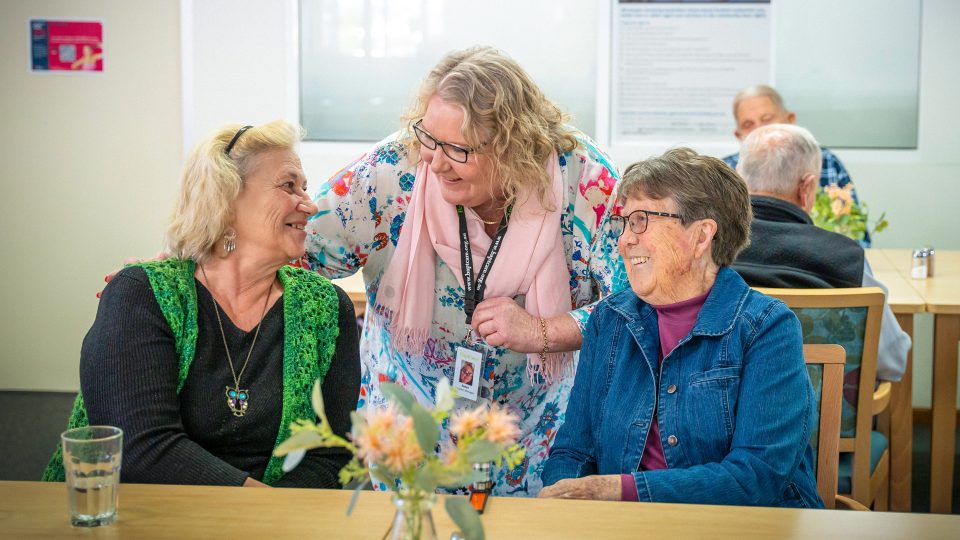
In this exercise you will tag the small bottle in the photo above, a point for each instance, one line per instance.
(931, 253)
(480, 490)
(920, 267)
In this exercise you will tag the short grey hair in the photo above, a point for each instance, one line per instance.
(775, 157)
(758, 90)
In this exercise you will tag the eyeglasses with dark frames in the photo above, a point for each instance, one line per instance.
(453, 151)
(638, 220)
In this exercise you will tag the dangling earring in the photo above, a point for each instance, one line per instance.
(229, 240)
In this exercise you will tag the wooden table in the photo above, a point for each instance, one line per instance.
(905, 301)
(941, 294)
(39, 510)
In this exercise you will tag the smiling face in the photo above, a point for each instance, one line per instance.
(470, 184)
(272, 208)
(466, 373)
(753, 112)
(663, 263)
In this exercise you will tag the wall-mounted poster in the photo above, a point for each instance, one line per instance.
(678, 63)
(60, 45)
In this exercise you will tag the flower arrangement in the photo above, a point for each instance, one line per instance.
(397, 446)
(835, 210)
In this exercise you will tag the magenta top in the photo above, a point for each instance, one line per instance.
(675, 322)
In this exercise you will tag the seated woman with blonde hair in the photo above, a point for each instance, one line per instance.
(204, 359)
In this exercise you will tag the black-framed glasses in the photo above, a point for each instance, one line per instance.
(637, 220)
(453, 151)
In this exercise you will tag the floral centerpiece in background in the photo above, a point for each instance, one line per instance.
(397, 446)
(835, 210)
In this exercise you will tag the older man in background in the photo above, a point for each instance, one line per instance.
(780, 164)
(761, 105)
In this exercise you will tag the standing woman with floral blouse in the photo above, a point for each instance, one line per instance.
(484, 160)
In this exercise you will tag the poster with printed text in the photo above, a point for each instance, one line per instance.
(61, 45)
(678, 64)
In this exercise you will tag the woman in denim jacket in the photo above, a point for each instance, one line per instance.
(691, 387)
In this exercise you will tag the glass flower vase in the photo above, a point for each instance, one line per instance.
(414, 517)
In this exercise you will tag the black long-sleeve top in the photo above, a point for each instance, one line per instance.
(128, 376)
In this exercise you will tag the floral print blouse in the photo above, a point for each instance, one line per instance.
(362, 209)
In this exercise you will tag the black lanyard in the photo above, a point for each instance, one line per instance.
(473, 291)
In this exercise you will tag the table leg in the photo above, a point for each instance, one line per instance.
(943, 432)
(901, 430)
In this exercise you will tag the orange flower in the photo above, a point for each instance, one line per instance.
(502, 426)
(401, 449)
(466, 422)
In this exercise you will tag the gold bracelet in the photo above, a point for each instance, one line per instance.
(546, 346)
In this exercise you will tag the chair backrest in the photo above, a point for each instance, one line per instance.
(849, 318)
(825, 367)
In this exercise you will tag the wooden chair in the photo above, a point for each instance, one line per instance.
(851, 319)
(825, 367)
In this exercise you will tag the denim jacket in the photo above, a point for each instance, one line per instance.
(736, 406)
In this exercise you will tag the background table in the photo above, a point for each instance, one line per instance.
(941, 295)
(905, 301)
(39, 510)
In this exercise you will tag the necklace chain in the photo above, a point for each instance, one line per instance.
(237, 398)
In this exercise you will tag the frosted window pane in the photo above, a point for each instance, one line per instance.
(362, 60)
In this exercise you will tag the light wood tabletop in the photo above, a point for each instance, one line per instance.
(39, 510)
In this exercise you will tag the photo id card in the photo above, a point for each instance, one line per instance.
(467, 372)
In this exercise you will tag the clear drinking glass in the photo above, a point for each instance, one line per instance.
(91, 461)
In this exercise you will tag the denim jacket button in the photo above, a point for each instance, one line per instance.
(672, 389)
(672, 440)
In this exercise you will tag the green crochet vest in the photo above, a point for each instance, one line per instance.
(310, 330)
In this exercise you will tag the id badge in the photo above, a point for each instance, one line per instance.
(470, 376)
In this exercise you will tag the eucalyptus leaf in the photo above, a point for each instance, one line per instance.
(466, 518)
(426, 428)
(293, 459)
(383, 476)
(303, 440)
(444, 396)
(316, 399)
(395, 393)
(356, 494)
(483, 450)
(425, 479)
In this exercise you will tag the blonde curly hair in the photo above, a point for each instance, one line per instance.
(506, 116)
(212, 180)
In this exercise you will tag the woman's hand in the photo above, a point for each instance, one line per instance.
(604, 487)
(132, 260)
(501, 322)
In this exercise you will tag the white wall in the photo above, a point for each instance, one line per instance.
(90, 165)
(91, 162)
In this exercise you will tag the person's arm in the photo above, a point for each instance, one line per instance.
(128, 376)
(510, 325)
(341, 386)
(573, 453)
(361, 209)
(606, 267)
(894, 342)
(771, 432)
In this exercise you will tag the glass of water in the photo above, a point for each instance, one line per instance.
(91, 461)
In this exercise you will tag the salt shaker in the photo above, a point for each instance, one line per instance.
(920, 264)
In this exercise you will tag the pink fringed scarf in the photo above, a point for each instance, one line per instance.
(531, 262)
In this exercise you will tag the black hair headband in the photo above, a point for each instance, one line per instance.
(233, 141)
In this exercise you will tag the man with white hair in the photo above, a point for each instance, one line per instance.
(780, 163)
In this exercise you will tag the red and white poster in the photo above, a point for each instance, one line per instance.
(59, 45)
